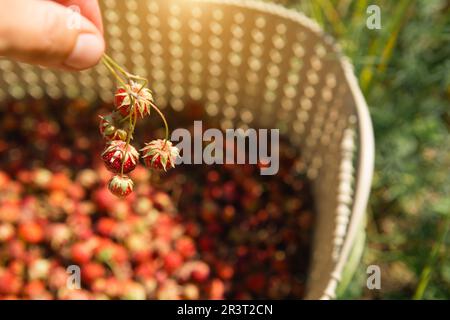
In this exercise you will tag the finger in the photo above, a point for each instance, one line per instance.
(88, 8)
(49, 34)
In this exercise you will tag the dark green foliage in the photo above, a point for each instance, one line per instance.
(404, 71)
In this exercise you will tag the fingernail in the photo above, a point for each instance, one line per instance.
(87, 51)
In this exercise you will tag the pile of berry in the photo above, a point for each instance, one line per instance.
(209, 232)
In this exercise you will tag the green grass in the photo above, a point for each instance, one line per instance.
(404, 72)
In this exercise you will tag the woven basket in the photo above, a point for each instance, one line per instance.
(251, 64)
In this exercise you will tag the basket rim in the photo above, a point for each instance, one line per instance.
(366, 140)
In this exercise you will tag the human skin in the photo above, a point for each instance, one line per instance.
(43, 32)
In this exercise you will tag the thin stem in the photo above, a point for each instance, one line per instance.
(111, 69)
(122, 70)
(116, 65)
(124, 119)
(163, 118)
(143, 86)
(427, 271)
(129, 135)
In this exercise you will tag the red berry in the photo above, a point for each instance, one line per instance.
(91, 271)
(200, 271)
(115, 153)
(109, 251)
(106, 226)
(6, 232)
(120, 186)
(225, 271)
(31, 232)
(160, 154)
(119, 98)
(16, 249)
(81, 252)
(172, 261)
(216, 289)
(109, 127)
(104, 200)
(34, 289)
(186, 247)
(9, 283)
(142, 100)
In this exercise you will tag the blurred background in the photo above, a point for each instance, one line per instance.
(404, 72)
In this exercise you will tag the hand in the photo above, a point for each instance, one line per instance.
(49, 34)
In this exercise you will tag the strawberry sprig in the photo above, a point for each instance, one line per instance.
(133, 101)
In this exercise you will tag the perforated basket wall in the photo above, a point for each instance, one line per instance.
(252, 64)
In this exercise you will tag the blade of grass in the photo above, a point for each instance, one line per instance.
(316, 13)
(384, 45)
(332, 16)
(425, 276)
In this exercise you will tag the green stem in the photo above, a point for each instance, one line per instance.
(129, 135)
(124, 119)
(425, 276)
(111, 69)
(116, 65)
(163, 118)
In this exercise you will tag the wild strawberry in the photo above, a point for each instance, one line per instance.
(191, 291)
(81, 252)
(138, 246)
(133, 291)
(34, 289)
(87, 178)
(109, 252)
(9, 283)
(200, 271)
(159, 154)
(57, 278)
(120, 186)
(69, 294)
(80, 225)
(172, 261)
(109, 129)
(113, 287)
(115, 153)
(6, 232)
(145, 270)
(39, 269)
(58, 234)
(16, 249)
(104, 200)
(119, 98)
(106, 226)
(91, 271)
(31, 232)
(142, 99)
(9, 212)
(186, 247)
(17, 267)
(170, 290)
(216, 289)
(59, 181)
(225, 271)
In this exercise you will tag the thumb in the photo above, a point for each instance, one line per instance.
(48, 34)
